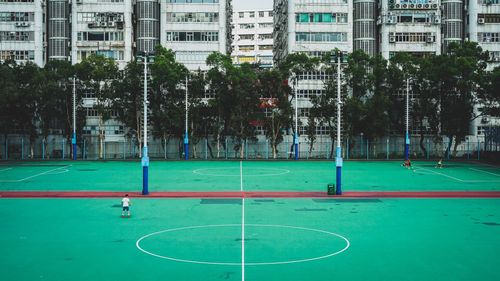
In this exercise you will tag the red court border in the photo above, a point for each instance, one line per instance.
(252, 194)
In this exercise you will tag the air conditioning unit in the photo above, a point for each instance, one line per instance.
(111, 24)
(430, 39)
(397, 6)
(392, 38)
(104, 24)
(391, 20)
(25, 24)
(427, 6)
(485, 120)
(437, 21)
(18, 24)
(480, 20)
(420, 6)
(404, 6)
(91, 25)
(412, 6)
(434, 6)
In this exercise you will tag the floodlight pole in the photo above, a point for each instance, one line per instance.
(73, 139)
(186, 138)
(145, 158)
(407, 135)
(296, 135)
(338, 158)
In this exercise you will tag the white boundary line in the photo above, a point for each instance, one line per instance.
(348, 244)
(6, 169)
(485, 172)
(242, 224)
(36, 175)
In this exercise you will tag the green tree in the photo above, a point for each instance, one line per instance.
(167, 96)
(461, 75)
(98, 73)
(274, 93)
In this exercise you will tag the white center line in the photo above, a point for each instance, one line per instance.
(6, 169)
(43, 173)
(242, 224)
(485, 172)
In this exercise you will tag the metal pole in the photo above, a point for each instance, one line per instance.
(63, 150)
(407, 137)
(84, 146)
(296, 135)
(387, 149)
(338, 159)
(186, 138)
(22, 149)
(145, 158)
(73, 139)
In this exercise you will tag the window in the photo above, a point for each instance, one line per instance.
(265, 24)
(192, 17)
(265, 36)
(321, 36)
(17, 36)
(247, 25)
(193, 1)
(246, 48)
(490, 18)
(251, 14)
(420, 37)
(270, 13)
(246, 37)
(265, 47)
(242, 15)
(321, 17)
(261, 14)
(204, 36)
(488, 37)
(17, 17)
(17, 55)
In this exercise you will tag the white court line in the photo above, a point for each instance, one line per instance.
(242, 224)
(6, 169)
(39, 174)
(457, 179)
(485, 172)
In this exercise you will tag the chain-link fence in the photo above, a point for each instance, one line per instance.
(92, 148)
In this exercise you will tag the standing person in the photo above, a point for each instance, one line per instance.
(439, 164)
(126, 205)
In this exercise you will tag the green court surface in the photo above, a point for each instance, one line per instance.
(257, 176)
(284, 239)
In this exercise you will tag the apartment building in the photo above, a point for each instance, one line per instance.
(195, 29)
(22, 31)
(252, 37)
(314, 27)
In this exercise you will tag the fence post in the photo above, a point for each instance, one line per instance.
(225, 141)
(468, 150)
(267, 149)
(478, 149)
(6, 149)
(206, 149)
(246, 149)
(104, 150)
(428, 149)
(63, 144)
(367, 149)
(347, 149)
(43, 149)
(387, 149)
(84, 150)
(22, 148)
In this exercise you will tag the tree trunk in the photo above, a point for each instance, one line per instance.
(422, 146)
(101, 137)
(448, 147)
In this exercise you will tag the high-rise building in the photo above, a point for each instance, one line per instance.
(195, 29)
(314, 27)
(22, 30)
(253, 37)
(41, 30)
(102, 27)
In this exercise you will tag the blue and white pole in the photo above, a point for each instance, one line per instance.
(186, 136)
(145, 158)
(338, 158)
(73, 138)
(296, 135)
(407, 134)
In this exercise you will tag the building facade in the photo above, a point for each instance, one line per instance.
(42, 30)
(252, 37)
(22, 30)
(385, 27)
